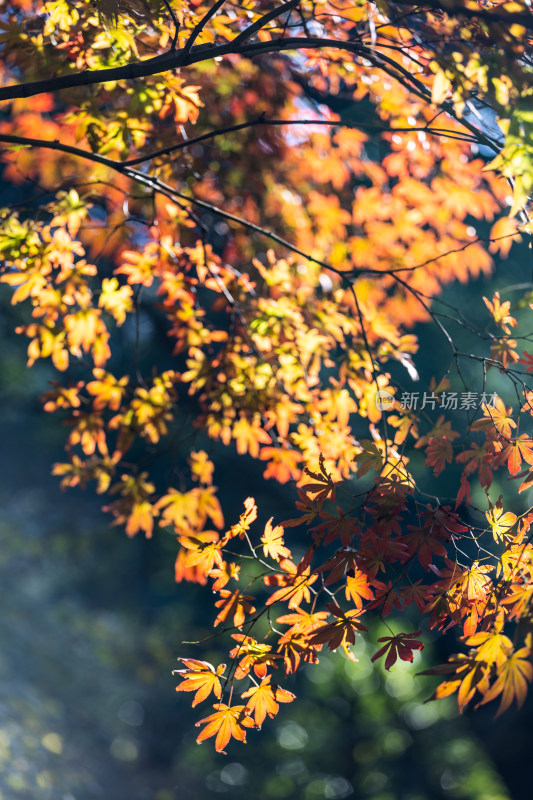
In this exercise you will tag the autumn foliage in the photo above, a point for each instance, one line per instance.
(284, 190)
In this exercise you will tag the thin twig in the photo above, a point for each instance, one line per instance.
(198, 28)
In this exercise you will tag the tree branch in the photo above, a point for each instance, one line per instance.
(260, 23)
(55, 144)
(175, 22)
(455, 9)
(180, 58)
(262, 120)
(201, 25)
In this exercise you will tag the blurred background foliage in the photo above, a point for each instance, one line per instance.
(92, 624)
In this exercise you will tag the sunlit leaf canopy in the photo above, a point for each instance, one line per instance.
(283, 191)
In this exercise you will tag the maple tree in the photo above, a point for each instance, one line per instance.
(284, 190)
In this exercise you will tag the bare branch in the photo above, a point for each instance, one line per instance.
(25, 141)
(204, 52)
(175, 22)
(454, 9)
(260, 23)
(262, 120)
(201, 25)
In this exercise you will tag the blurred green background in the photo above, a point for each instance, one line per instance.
(92, 624)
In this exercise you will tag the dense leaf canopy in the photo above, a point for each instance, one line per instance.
(281, 192)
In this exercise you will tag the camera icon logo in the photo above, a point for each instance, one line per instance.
(384, 400)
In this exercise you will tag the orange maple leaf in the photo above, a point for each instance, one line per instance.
(357, 588)
(106, 389)
(500, 523)
(200, 677)
(249, 436)
(233, 603)
(491, 646)
(204, 551)
(139, 267)
(265, 699)
(252, 653)
(500, 312)
(283, 464)
(248, 516)
(498, 413)
(225, 723)
(324, 486)
(512, 681)
(273, 544)
(520, 448)
(295, 586)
